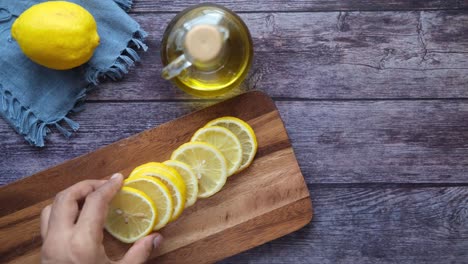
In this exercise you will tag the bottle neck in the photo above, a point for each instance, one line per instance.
(204, 45)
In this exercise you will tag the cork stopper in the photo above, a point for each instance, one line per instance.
(204, 43)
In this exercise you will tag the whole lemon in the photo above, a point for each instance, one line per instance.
(59, 35)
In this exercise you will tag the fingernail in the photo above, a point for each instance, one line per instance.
(116, 176)
(157, 240)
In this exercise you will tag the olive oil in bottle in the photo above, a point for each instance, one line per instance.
(206, 50)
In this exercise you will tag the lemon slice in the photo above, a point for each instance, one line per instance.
(244, 133)
(170, 178)
(132, 215)
(159, 194)
(207, 162)
(224, 140)
(158, 165)
(191, 181)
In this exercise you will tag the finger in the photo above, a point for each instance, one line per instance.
(64, 209)
(45, 215)
(141, 250)
(95, 208)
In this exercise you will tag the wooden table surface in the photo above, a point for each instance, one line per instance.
(374, 95)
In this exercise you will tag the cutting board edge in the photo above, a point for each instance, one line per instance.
(304, 220)
(252, 232)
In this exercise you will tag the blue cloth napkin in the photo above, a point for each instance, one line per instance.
(34, 98)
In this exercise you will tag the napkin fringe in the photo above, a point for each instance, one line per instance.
(127, 59)
(124, 4)
(29, 125)
(35, 130)
(22, 118)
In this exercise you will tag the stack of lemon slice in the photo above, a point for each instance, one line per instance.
(157, 193)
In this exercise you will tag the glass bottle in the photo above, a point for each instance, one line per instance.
(206, 50)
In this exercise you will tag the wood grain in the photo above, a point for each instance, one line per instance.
(238, 214)
(123, 154)
(255, 232)
(335, 141)
(371, 224)
(310, 5)
(375, 225)
(385, 162)
(329, 55)
(20, 234)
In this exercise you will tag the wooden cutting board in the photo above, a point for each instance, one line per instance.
(266, 201)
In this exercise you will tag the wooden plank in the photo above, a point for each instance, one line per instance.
(375, 225)
(239, 216)
(329, 55)
(379, 141)
(335, 142)
(286, 220)
(310, 5)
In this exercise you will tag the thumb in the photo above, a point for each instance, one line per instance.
(141, 250)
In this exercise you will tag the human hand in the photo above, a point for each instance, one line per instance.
(71, 236)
